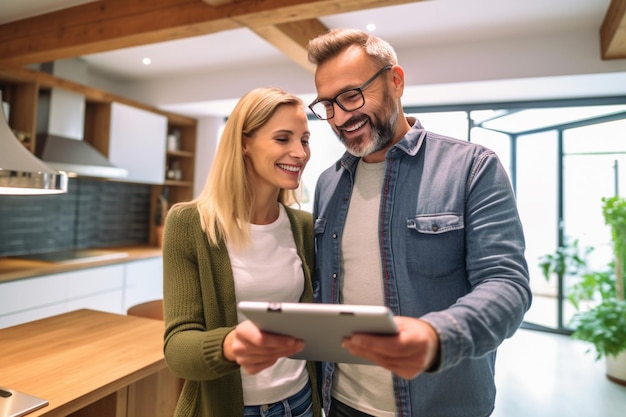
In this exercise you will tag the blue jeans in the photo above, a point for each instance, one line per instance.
(339, 409)
(298, 405)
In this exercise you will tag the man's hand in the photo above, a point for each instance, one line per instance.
(255, 350)
(412, 351)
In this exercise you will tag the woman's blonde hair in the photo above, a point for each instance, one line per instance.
(226, 200)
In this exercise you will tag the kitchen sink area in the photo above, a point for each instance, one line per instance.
(74, 256)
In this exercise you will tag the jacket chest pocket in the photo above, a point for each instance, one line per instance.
(435, 244)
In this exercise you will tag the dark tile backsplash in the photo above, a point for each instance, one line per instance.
(92, 214)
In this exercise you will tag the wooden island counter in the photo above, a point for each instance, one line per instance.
(89, 363)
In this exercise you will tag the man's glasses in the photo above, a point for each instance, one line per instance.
(347, 100)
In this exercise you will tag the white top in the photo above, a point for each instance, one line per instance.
(269, 269)
(364, 387)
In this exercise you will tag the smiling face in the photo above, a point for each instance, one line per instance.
(369, 131)
(278, 151)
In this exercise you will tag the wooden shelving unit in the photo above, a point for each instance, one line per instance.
(176, 190)
(20, 88)
(181, 189)
(22, 98)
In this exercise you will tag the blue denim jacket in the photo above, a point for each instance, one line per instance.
(452, 251)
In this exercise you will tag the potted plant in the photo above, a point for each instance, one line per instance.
(599, 295)
(566, 260)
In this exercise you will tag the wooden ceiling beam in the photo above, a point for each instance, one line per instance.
(218, 2)
(292, 38)
(107, 25)
(613, 31)
(104, 26)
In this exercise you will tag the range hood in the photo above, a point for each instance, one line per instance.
(21, 173)
(75, 157)
(60, 127)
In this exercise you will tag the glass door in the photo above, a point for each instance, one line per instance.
(564, 160)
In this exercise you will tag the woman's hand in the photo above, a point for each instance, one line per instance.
(255, 350)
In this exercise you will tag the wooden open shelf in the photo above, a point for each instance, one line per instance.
(20, 88)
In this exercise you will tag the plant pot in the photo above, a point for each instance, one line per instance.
(616, 368)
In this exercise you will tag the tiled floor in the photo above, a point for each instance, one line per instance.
(540, 374)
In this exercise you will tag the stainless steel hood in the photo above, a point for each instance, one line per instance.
(76, 157)
(21, 173)
(60, 127)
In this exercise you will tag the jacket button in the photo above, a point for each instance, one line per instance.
(435, 227)
(334, 235)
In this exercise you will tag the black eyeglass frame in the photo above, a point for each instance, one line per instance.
(359, 90)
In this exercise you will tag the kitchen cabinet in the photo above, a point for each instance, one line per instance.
(137, 143)
(111, 288)
(20, 88)
(25, 300)
(143, 281)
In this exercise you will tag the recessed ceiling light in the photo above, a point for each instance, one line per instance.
(146, 61)
(370, 27)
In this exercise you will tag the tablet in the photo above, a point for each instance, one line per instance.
(16, 404)
(321, 326)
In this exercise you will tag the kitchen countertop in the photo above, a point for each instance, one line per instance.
(14, 268)
(90, 362)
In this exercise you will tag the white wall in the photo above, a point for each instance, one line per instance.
(209, 129)
(223, 85)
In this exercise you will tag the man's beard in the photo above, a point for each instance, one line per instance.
(382, 133)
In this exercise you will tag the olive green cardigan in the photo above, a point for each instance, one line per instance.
(200, 309)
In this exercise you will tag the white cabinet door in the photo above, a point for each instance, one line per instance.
(31, 299)
(144, 281)
(100, 288)
(111, 288)
(137, 143)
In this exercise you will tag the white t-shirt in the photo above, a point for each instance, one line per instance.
(363, 387)
(269, 269)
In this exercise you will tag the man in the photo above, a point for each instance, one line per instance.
(424, 224)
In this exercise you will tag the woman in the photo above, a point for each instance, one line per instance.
(240, 240)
